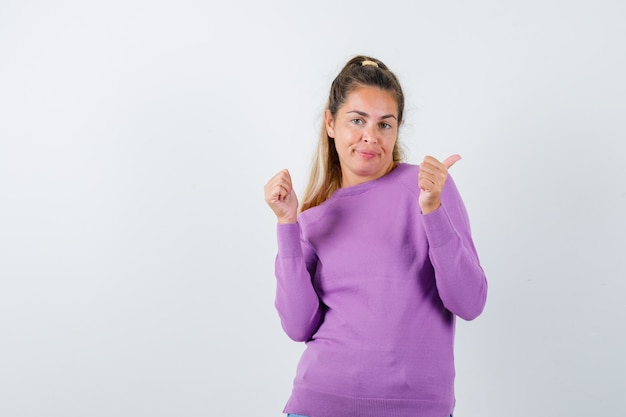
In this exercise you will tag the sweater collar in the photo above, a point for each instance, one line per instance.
(363, 187)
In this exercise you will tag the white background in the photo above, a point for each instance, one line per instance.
(136, 252)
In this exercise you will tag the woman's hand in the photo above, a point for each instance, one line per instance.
(281, 198)
(431, 179)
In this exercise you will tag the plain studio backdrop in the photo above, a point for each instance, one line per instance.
(136, 251)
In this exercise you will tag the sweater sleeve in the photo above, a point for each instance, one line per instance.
(461, 281)
(296, 301)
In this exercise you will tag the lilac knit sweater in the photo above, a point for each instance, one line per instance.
(373, 287)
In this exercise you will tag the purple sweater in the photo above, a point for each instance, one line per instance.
(373, 287)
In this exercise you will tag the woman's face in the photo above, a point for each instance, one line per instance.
(365, 130)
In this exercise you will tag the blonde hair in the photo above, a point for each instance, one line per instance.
(325, 175)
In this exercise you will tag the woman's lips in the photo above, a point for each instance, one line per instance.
(366, 154)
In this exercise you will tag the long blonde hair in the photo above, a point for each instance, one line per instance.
(325, 175)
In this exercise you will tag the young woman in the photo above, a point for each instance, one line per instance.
(375, 267)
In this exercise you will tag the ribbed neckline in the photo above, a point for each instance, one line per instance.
(361, 188)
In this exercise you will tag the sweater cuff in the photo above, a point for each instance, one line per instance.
(289, 240)
(439, 228)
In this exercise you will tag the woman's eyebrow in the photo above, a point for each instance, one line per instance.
(362, 113)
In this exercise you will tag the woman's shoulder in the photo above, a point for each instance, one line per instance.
(406, 169)
(313, 214)
(406, 174)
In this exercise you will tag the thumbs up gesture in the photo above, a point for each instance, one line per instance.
(281, 198)
(431, 179)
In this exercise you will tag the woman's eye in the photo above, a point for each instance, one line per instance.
(385, 125)
(357, 121)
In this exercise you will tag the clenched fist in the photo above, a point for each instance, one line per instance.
(281, 197)
(431, 179)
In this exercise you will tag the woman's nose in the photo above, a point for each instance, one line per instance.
(369, 135)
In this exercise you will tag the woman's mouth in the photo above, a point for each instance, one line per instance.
(366, 154)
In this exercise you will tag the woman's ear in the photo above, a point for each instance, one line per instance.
(329, 121)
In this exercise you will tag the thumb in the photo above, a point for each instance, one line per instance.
(451, 160)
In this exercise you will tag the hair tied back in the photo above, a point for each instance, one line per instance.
(369, 62)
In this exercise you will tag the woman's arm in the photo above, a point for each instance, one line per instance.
(296, 301)
(461, 281)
